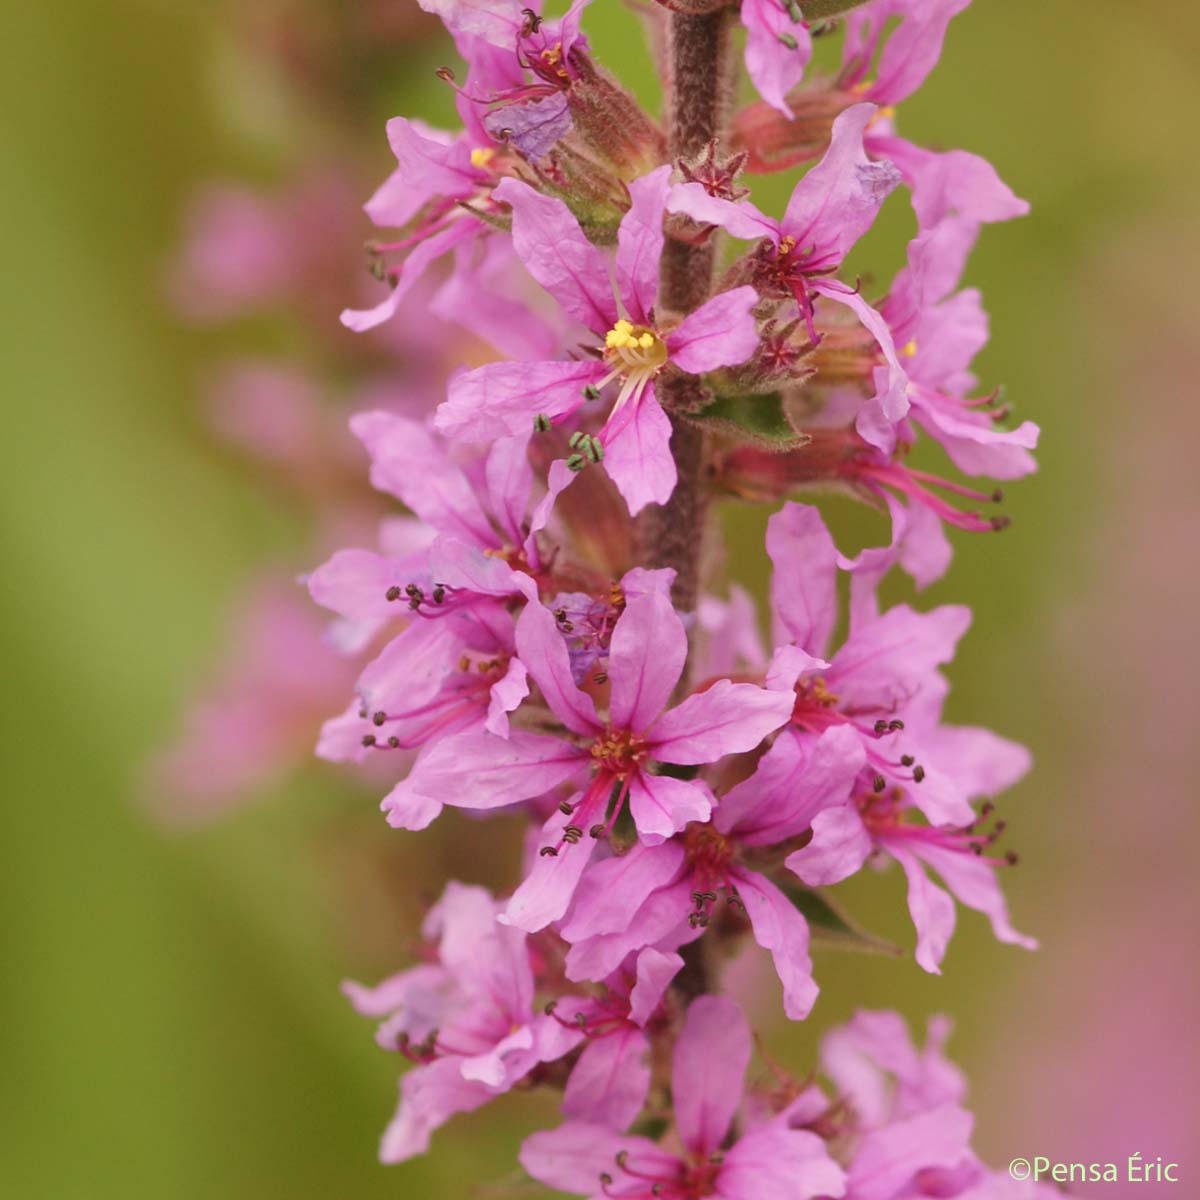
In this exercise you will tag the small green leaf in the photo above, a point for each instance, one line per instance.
(761, 419)
(831, 926)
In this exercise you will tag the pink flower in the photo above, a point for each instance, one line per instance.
(883, 686)
(711, 1054)
(621, 901)
(465, 1019)
(908, 1134)
(631, 348)
(610, 1081)
(831, 207)
(646, 658)
(943, 183)
(255, 721)
(941, 331)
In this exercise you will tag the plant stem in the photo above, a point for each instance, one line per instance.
(698, 91)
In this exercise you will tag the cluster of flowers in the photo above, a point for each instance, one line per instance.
(685, 785)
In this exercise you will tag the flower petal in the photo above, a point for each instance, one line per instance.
(429, 1096)
(408, 462)
(739, 219)
(722, 332)
(545, 893)
(572, 1157)
(662, 806)
(798, 778)
(502, 399)
(616, 888)
(544, 652)
(774, 67)
(837, 201)
(727, 718)
(637, 452)
(709, 1065)
(780, 929)
(479, 770)
(558, 255)
(839, 847)
(655, 970)
(645, 659)
(804, 582)
(609, 1084)
(640, 242)
(776, 1163)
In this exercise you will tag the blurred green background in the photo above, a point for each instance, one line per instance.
(170, 1006)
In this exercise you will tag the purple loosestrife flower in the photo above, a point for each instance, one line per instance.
(829, 210)
(771, 1162)
(631, 348)
(884, 70)
(624, 902)
(614, 754)
(466, 1019)
(940, 331)
(611, 1079)
(884, 686)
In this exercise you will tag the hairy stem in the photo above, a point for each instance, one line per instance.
(699, 91)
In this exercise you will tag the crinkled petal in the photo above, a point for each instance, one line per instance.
(655, 971)
(913, 49)
(837, 201)
(722, 332)
(503, 398)
(839, 847)
(429, 1096)
(572, 1157)
(973, 882)
(479, 770)
(544, 652)
(888, 1159)
(411, 271)
(662, 806)
(408, 462)
(878, 417)
(545, 893)
(614, 890)
(506, 696)
(931, 909)
(798, 778)
(739, 219)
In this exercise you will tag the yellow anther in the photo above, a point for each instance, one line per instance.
(646, 341)
(481, 156)
(909, 349)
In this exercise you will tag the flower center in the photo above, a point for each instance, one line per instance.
(619, 751)
(634, 349)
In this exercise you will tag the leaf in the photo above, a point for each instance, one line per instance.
(831, 926)
(761, 419)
